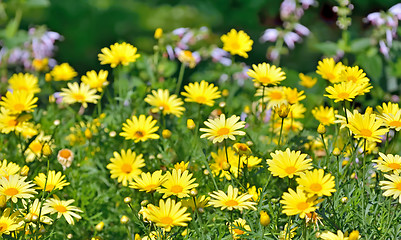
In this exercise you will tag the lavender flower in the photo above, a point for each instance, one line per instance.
(396, 10)
(270, 35)
(221, 56)
(290, 38)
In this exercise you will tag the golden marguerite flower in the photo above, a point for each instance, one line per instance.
(297, 111)
(297, 202)
(388, 163)
(63, 72)
(24, 82)
(325, 115)
(9, 122)
(15, 187)
(388, 108)
(40, 65)
(55, 181)
(8, 222)
(237, 43)
(330, 70)
(196, 202)
(118, 54)
(220, 162)
(8, 168)
(19, 101)
(353, 74)
(221, 128)
(293, 96)
(35, 148)
(178, 183)
(125, 166)
(366, 126)
(63, 208)
(34, 209)
(164, 102)
(288, 163)
(266, 74)
(148, 182)
(392, 187)
(202, 93)
(232, 200)
(237, 228)
(332, 236)
(316, 183)
(344, 91)
(140, 129)
(96, 80)
(79, 93)
(273, 96)
(181, 165)
(307, 81)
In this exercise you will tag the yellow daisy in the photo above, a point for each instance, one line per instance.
(222, 128)
(19, 101)
(125, 166)
(8, 168)
(293, 96)
(79, 93)
(96, 80)
(237, 43)
(232, 200)
(297, 202)
(316, 183)
(140, 129)
(202, 93)
(118, 53)
(55, 181)
(239, 227)
(220, 160)
(330, 70)
(8, 222)
(162, 101)
(199, 202)
(15, 187)
(325, 115)
(40, 65)
(169, 214)
(392, 121)
(332, 236)
(388, 163)
(187, 58)
(288, 233)
(148, 182)
(392, 187)
(307, 81)
(288, 163)
(266, 74)
(366, 126)
(63, 208)
(273, 96)
(353, 74)
(389, 108)
(296, 111)
(250, 161)
(255, 192)
(181, 165)
(33, 211)
(178, 184)
(346, 91)
(35, 148)
(63, 72)
(9, 122)
(24, 82)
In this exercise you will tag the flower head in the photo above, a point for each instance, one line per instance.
(392, 187)
(8, 221)
(307, 81)
(232, 200)
(220, 160)
(266, 74)
(148, 182)
(346, 91)
(178, 183)
(288, 163)
(297, 202)
(96, 80)
(239, 227)
(164, 102)
(118, 54)
(366, 126)
(19, 101)
(63, 72)
(222, 128)
(389, 163)
(201, 93)
(125, 166)
(330, 70)
(63, 208)
(24, 82)
(140, 129)
(76, 93)
(237, 43)
(55, 181)
(316, 183)
(332, 236)
(15, 187)
(325, 115)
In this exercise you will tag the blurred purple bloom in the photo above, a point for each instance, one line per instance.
(287, 8)
(307, 3)
(240, 77)
(395, 98)
(375, 18)
(270, 35)
(384, 49)
(301, 29)
(396, 10)
(273, 54)
(290, 38)
(389, 37)
(221, 56)
(180, 31)
(170, 52)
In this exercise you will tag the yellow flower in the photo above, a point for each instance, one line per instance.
(118, 53)
(24, 82)
(76, 93)
(202, 93)
(8, 221)
(55, 181)
(388, 163)
(148, 182)
(325, 115)
(297, 111)
(242, 149)
(96, 80)
(40, 65)
(238, 43)
(9, 122)
(63, 72)
(200, 202)
(316, 183)
(220, 160)
(332, 236)
(366, 126)
(237, 228)
(255, 192)
(388, 109)
(266, 74)
(297, 203)
(125, 166)
(181, 165)
(222, 128)
(250, 161)
(35, 209)
(392, 119)
(8, 168)
(293, 96)
(392, 187)
(140, 129)
(188, 58)
(19, 101)
(353, 74)
(162, 101)
(35, 149)
(346, 91)
(288, 163)
(63, 208)
(307, 81)
(330, 70)
(178, 183)
(158, 33)
(15, 187)
(288, 233)
(273, 96)
(264, 218)
(168, 214)
(65, 157)
(232, 200)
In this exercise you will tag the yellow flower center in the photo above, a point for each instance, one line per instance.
(316, 187)
(60, 208)
(394, 165)
(223, 131)
(19, 107)
(164, 107)
(36, 147)
(264, 79)
(49, 187)
(395, 124)
(166, 220)
(12, 123)
(11, 191)
(276, 95)
(78, 96)
(238, 231)
(235, 45)
(3, 226)
(302, 206)
(126, 168)
(176, 189)
(324, 119)
(290, 170)
(330, 76)
(200, 99)
(398, 186)
(343, 95)
(366, 133)
(65, 153)
(150, 187)
(352, 79)
(231, 203)
(139, 134)
(188, 54)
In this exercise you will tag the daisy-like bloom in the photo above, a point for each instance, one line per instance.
(118, 53)
(325, 115)
(79, 93)
(200, 202)
(181, 166)
(63, 72)
(232, 200)
(274, 96)
(330, 70)
(63, 208)
(250, 161)
(40, 65)
(220, 162)
(389, 108)
(353, 74)
(55, 181)
(8, 221)
(297, 202)
(65, 157)
(162, 101)
(96, 80)
(8, 122)
(221, 128)
(255, 192)
(296, 111)
(237, 43)
(202, 93)
(344, 91)
(8, 168)
(388, 163)
(316, 183)
(366, 126)
(24, 82)
(35, 209)
(238, 227)
(333, 236)
(266, 74)
(15, 187)
(178, 184)
(307, 81)
(148, 182)
(288, 163)
(35, 149)
(168, 214)
(140, 129)
(19, 101)
(293, 96)
(391, 115)
(125, 166)
(188, 58)
(392, 187)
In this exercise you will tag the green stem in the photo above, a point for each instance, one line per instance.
(180, 78)
(281, 131)
(363, 182)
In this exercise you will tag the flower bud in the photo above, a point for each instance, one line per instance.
(127, 200)
(283, 110)
(336, 152)
(193, 192)
(225, 93)
(42, 230)
(69, 236)
(88, 133)
(144, 203)
(354, 235)
(242, 149)
(222, 104)
(99, 227)
(158, 33)
(321, 129)
(264, 218)
(344, 199)
(3, 201)
(124, 219)
(166, 133)
(226, 166)
(24, 170)
(201, 210)
(190, 124)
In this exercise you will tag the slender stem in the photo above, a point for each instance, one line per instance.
(263, 103)
(239, 164)
(324, 144)
(180, 78)
(305, 230)
(363, 182)
(225, 148)
(42, 198)
(281, 131)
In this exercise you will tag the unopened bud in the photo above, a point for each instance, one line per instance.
(158, 33)
(283, 110)
(124, 219)
(190, 124)
(24, 170)
(99, 227)
(144, 203)
(166, 133)
(225, 93)
(127, 200)
(344, 199)
(47, 150)
(69, 236)
(3, 201)
(222, 104)
(321, 129)
(264, 218)
(193, 192)
(354, 235)
(88, 133)
(336, 152)
(201, 210)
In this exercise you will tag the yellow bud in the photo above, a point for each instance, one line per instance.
(264, 218)
(321, 129)
(345, 162)
(336, 152)
(48, 77)
(127, 200)
(193, 192)
(112, 134)
(190, 124)
(88, 133)
(52, 99)
(283, 110)
(99, 227)
(344, 199)
(69, 236)
(225, 93)
(124, 219)
(226, 166)
(24, 170)
(158, 33)
(242, 149)
(47, 150)
(137, 237)
(3, 201)
(166, 133)
(144, 203)
(247, 109)
(184, 233)
(369, 110)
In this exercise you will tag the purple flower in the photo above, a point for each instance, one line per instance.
(395, 98)
(240, 77)
(270, 35)
(287, 8)
(301, 29)
(170, 52)
(291, 38)
(384, 49)
(396, 10)
(376, 19)
(273, 54)
(221, 56)
(180, 31)
(307, 3)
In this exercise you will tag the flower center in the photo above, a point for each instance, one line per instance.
(394, 165)
(235, 45)
(19, 107)
(366, 133)
(264, 79)
(223, 131)
(3, 226)
(290, 170)
(231, 203)
(176, 189)
(78, 96)
(343, 95)
(150, 187)
(12, 123)
(164, 107)
(126, 168)
(316, 187)
(238, 231)
(395, 124)
(139, 134)
(352, 79)
(36, 147)
(324, 119)
(330, 76)
(200, 99)
(166, 220)
(65, 153)
(276, 95)
(60, 208)
(11, 191)
(302, 206)
(49, 187)
(398, 186)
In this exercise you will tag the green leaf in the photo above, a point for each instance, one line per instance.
(327, 48)
(372, 65)
(360, 44)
